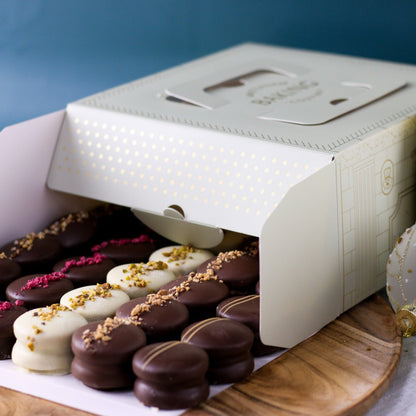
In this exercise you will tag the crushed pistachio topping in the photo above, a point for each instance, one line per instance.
(90, 295)
(179, 253)
(49, 312)
(44, 314)
(36, 329)
(103, 331)
(136, 271)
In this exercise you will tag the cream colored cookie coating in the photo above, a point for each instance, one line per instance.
(140, 279)
(181, 259)
(43, 339)
(95, 302)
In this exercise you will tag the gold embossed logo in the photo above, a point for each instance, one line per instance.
(387, 177)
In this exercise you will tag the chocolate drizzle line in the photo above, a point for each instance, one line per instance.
(151, 355)
(191, 332)
(237, 302)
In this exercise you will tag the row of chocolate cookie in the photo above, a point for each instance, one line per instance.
(71, 235)
(96, 300)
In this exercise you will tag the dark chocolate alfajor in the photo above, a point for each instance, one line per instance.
(161, 319)
(103, 352)
(199, 292)
(34, 253)
(85, 271)
(246, 310)
(171, 375)
(239, 270)
(127, 250)
(38, 290)
(227, 343)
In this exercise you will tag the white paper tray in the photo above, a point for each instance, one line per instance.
(71, 392)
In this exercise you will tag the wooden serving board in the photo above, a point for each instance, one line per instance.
(341, 370)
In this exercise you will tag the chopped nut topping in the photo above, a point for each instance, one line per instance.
(62, 224)
(103, 331)
(90, 295)
(224, 257)
(49, 312)
(45, 314)
(135, 271)
(26, 243)
(179, 253)
(252, 249)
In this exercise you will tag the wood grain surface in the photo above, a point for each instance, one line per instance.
(341, 370)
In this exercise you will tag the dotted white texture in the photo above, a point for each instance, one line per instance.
(224, 180)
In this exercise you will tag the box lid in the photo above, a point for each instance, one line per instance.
(224, 137)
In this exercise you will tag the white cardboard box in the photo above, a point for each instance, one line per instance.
(313, 153)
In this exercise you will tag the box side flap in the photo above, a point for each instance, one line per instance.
(300, 278)
(26, 151)
(217, 179)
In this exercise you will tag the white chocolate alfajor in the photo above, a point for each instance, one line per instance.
(95, 302)
(43, 339)
(181, 259)
(139, 279)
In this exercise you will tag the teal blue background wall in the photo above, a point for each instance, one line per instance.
(56, 51)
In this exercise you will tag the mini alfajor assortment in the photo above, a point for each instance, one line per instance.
(125, 314)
